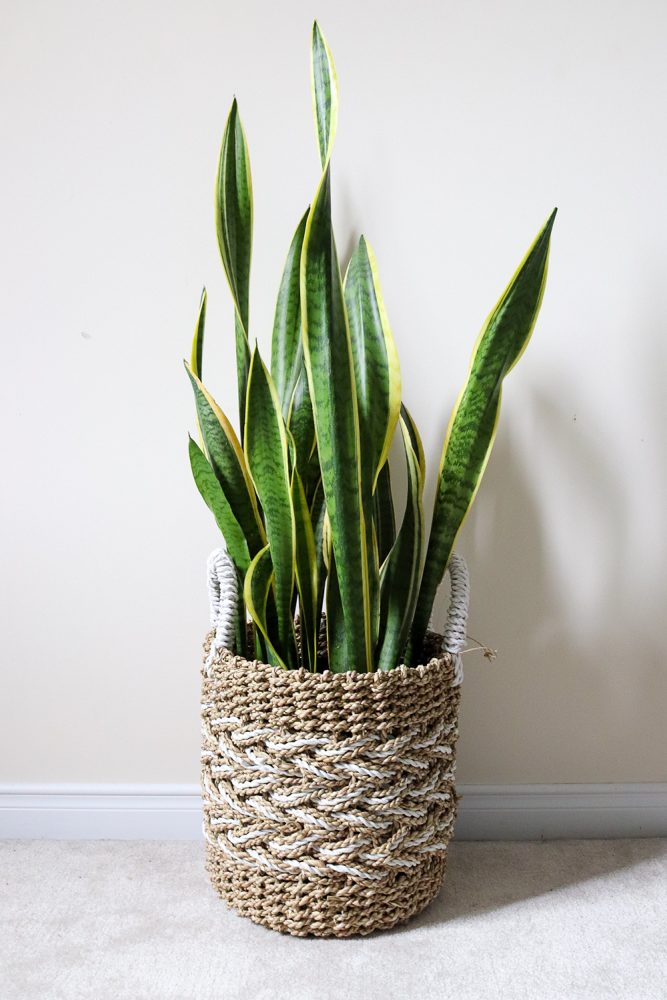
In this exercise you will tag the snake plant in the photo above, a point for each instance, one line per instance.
(303, 494)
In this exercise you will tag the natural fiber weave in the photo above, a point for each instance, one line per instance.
(329, 799)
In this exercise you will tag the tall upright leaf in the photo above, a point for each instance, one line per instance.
(329, 364)
(266, 452)
(474, 420)
(233, 222)
(401, 573)
(324, 90)
(286, 347)
(376, 368)
(378, 387)
(229, 464)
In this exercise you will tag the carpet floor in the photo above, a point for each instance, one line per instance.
(110, 920)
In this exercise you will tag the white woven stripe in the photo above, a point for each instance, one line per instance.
(337, 813)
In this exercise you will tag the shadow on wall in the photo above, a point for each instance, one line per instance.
(580, 672)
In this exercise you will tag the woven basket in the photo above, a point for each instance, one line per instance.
(329, 799)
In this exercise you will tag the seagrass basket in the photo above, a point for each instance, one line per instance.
(329, 799)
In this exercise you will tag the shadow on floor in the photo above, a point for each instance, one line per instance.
(482, 877)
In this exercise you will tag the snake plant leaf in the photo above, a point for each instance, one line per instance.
(301, 422)
(233, 223)
(329, 364)
(328, 358)
(376, 368)
(286, 347)
(267, 455)
(257, 588)
(324, 88)
(378, 390)
(287, 365)
(415, 439)
(318, 512)
(384, 517)
(341, 658)
(337, 646)
(196, 358)
(402, 571)
(215, 499)
(326, 539)
(306, 574)
(197, 352)
(474, 420)
(229, 464)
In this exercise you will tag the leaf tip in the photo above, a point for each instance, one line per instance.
(194, 451)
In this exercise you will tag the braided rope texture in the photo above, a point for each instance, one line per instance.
(329, 799)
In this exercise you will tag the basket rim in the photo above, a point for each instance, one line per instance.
(225, 659)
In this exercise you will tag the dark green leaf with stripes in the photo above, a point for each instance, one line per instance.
(473, 423)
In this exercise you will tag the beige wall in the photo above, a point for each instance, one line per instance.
(461, 125)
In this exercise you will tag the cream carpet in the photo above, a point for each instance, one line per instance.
(110, 920)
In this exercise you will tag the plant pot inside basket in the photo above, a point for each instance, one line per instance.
(329, 799)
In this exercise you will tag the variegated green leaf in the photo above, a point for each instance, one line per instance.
(341, 658)
(233, 220)
(332, 391)
(383, 513)
(337, 647)
(415, 440)
(267, 456)
(286, 347)
(473, 423)
(287, 364)
(215, 499)
(324, 88)
(301, 424)
(229, 465)
(378, 389)
(306, 574)
(328, 358)
(318, 512)
(401, 573)
(376, 367)
(197, 352)
(196, 359)
(257, 589)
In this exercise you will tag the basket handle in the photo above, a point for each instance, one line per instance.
(223, 601)
(456, 626)
(223, 592)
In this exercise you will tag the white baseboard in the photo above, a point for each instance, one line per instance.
(100, 812)
(549, 812)
(486, 812)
